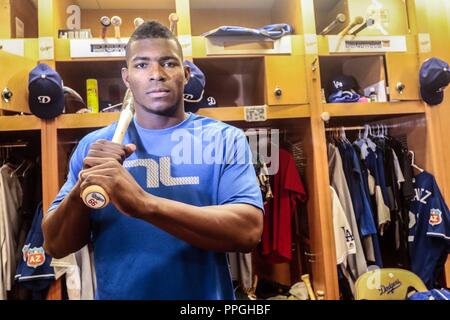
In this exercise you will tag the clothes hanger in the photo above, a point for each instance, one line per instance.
(18, 168)
(30, 165)
(413, 164)
(366, 131)
(343, 135)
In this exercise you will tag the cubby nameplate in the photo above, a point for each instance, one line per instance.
(366, 44)
(255, 113)
(97, 48)
(112, 47)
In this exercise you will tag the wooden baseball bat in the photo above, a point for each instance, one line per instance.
(105, 22)
(355, 22)
(137, 22)
(369, 22)
(340, 19)
(305, 279)
(116, 21)
(173, 20)
(94, 196)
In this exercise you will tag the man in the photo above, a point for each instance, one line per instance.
(172, 217)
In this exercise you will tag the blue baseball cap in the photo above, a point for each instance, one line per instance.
(45, 92)
(342, 83)
(194, 91)
(434, 77)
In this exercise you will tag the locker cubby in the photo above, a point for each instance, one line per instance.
(390, 16)
(368, 71)
(92, 11)
(237, 81)
(111, 88)
(207, 15)
(295, 136)
(19, 19)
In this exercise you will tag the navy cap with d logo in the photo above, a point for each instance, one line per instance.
(194, 91)
(434, 77)
(45, 92)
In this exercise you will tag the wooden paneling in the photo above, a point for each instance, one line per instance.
(288, 11)
(19, 123)
(402, 68)
(26, 11)
(286, 73)
(373, 109)
(14, 75)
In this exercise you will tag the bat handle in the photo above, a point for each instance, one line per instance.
(305, 279)
(95, 197)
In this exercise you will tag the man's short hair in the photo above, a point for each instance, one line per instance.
(153, 30)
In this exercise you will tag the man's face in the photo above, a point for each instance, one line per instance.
(156, 75)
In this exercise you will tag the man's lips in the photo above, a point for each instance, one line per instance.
(158, 93)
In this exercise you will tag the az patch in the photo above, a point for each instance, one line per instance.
(435, 217)
(34, 257)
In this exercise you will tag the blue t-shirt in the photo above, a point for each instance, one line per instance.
(201, 162)
(429, 230)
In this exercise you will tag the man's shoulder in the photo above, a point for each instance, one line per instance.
(217, 126)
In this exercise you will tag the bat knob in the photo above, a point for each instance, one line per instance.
(138, 22)
(95, 197)
(173, 17)
(116, 21)
(105, 21)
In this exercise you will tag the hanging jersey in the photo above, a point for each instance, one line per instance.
(356, 263)
(34, 270)
(288, 190)
(429, 229)
(343, 236)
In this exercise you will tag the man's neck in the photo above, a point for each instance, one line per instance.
(153, 121)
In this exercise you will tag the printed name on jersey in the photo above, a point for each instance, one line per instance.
(421, 195)
(34, 257)
(435, 217)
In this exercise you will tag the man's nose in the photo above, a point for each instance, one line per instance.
(156, 72)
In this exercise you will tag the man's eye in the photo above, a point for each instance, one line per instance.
(141, 65)
(169, 64)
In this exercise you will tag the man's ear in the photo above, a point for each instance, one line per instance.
(187, 74)
(125, 77)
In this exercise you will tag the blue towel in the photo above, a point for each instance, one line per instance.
(344, 96)
(272, 31)
(433, 294)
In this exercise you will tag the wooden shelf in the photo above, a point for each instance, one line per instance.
(98, 120)
(199, 47)
(19, 123)
(373, 109)
(273, 112)
(86, 120)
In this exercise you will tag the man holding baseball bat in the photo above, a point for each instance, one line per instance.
(173, 213)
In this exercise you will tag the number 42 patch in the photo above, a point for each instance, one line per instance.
(435, 217)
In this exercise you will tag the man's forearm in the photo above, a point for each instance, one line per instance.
(66, 229)
(226, 228)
